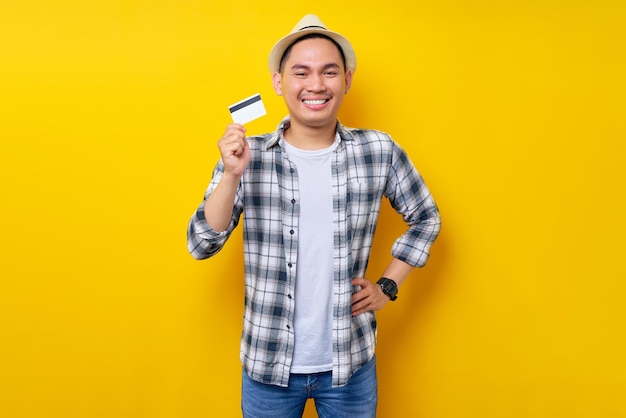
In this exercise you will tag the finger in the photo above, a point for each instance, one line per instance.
(360, 296)
(358, 310)
(236, 127)
(235, 150)
(360, 281)
(232, 136)
(233, 131)
(361, 299)
(367, 301)
(233, 145)
(361, 307)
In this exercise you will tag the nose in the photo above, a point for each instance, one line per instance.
(316, 83)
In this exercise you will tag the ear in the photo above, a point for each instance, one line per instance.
(348, 81)
(277, 84)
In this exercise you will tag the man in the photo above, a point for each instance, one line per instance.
(310, 195)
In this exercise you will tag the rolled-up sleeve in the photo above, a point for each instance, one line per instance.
(408, 194)
(202, 240)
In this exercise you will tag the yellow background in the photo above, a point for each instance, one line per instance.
(514, 112)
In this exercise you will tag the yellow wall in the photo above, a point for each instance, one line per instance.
(514, 111)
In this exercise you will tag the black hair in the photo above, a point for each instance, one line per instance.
(310, 36)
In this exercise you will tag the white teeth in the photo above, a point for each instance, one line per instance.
(314, 102)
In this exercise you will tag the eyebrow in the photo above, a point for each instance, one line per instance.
(306, 67)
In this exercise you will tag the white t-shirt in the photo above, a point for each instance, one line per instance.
(314, 270)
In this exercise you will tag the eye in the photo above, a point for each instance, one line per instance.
(300, 74)
(331, 73)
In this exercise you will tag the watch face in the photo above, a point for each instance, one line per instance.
(389, 287)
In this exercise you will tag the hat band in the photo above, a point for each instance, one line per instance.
(313, 26)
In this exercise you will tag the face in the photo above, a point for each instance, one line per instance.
(313, 83)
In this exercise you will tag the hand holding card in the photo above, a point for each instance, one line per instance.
(247, 110)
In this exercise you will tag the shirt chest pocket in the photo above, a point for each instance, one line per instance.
(363, 205)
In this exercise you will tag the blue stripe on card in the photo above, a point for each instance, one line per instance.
(245, 103)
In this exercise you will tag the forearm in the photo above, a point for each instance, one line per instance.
(398, 271)
(218, 208)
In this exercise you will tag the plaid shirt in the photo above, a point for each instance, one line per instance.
(366, 166)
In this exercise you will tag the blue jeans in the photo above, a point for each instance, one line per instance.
(357, 399)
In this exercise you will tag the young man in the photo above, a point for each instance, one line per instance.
(310, 195)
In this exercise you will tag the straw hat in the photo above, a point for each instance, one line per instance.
(307, 25)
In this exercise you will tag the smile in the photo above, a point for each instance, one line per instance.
(314, 102)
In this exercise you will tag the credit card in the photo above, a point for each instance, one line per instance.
(247, 109)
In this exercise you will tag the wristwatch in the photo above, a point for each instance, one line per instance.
(390, 288)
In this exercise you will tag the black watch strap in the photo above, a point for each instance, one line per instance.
(390, 288)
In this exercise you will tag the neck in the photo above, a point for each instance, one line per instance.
(310, 138)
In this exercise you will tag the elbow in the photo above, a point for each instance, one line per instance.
(198, 252)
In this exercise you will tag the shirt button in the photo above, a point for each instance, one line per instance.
(290, 265)
(289, 296)
(288, 327)
(293, 200)
(292, 232)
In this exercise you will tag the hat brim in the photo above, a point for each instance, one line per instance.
(281, 46)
